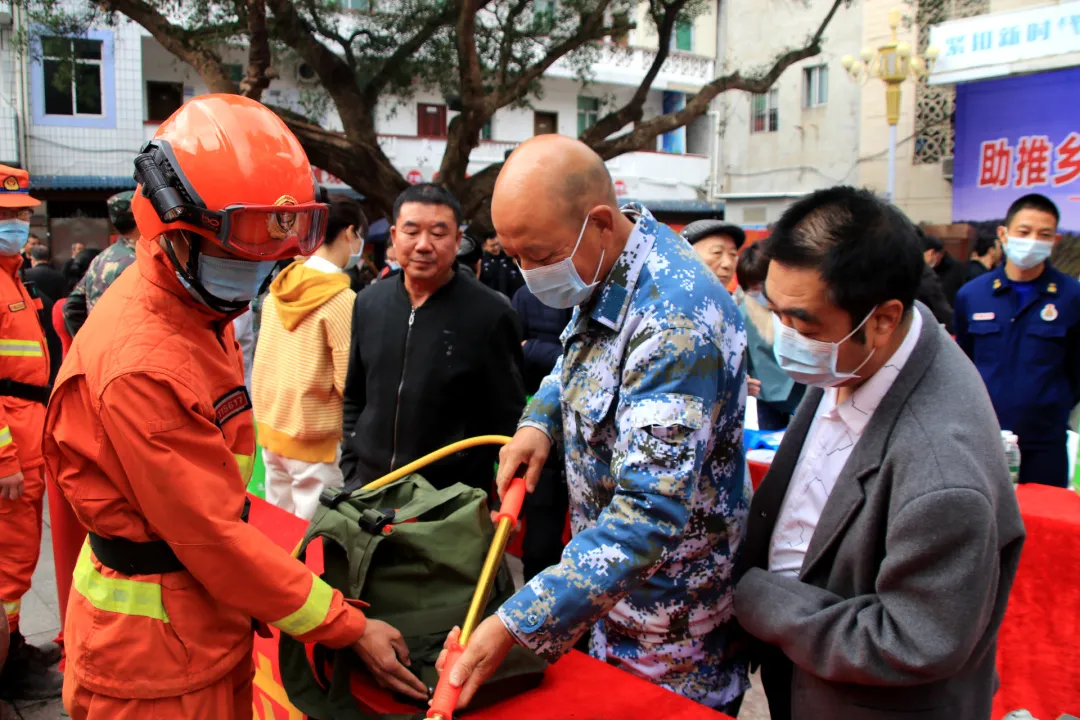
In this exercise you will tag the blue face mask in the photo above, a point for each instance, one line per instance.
(559, 285)
(355, 258)
(809, 361)
(231, 279)
(13, 236)
(1026, 253)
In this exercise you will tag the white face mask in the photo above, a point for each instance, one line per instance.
(559, 285)
(355, 258)
(812, 362)
(1026, 253)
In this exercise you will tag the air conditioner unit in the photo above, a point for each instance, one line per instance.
(947, 168)
(306, 75)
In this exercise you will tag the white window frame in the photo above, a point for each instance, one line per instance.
(815, 92)
(74, 85)
(772, 108)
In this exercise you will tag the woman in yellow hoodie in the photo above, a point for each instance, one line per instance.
(300, 365)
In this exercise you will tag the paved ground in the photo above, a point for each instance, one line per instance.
(41, 621)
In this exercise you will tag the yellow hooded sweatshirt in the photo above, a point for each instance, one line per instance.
(300, 362)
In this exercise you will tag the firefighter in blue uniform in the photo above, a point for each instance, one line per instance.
(1020, 325)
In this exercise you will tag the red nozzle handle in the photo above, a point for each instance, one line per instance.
(445, 699)
(514, 497)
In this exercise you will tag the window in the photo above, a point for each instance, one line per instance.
(485, 132)
(683, 37)
(588, 112)
(364, 5)
(766, 116)
(162, 100)
(431, 120)
(236, 72)
(815, 86)
(72, 76)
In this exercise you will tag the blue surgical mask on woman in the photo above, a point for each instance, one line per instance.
(13, 236)
(1026, 253)
(812, 362)
(355, 258)
(559, 285)
(231, 279)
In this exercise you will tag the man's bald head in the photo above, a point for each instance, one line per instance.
(557, 175)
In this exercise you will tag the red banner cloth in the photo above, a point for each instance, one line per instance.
(576, 686)
(1038, 654)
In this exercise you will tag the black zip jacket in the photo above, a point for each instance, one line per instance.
(420, 380)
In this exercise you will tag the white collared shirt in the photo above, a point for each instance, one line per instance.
(833, 434)
(320, 263)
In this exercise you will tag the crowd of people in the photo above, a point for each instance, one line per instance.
(867, 577)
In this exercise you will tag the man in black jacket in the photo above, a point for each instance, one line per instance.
(498, 271)
(435, 356)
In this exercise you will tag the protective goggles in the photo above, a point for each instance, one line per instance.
(252, 231)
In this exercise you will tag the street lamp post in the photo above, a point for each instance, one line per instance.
(892, 63)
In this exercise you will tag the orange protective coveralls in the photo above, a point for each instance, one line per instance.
(24, 358)
(150, 436)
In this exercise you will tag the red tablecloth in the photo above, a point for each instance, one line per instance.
(575, 687)
(1039, 645)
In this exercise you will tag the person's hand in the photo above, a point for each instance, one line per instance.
(485, 652)
(753, 387)
(529, 446)
(11, 487)
(383, 651)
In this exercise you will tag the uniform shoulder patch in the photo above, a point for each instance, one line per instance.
(231, 404)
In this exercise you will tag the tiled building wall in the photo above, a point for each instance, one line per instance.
(9, 66)
(76, 146)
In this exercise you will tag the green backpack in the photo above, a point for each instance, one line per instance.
(414, 554)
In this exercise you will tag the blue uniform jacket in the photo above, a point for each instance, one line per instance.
(1029, 357)
(647, 401)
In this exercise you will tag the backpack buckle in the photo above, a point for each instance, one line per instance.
(373, 521)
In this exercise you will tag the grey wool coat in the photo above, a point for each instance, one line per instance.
(897, 608)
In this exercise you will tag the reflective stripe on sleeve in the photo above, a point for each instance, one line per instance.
(247, 464)
(117, 595)
(312, 613)
(5, 436)
(20, 348)
(12, 608)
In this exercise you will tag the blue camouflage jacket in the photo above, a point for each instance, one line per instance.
(647, 402)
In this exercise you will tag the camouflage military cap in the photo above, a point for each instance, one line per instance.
(120, 214)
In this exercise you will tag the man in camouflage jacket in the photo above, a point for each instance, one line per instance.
(107, 266)
(647, 402)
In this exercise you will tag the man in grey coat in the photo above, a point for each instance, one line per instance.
(883, 543)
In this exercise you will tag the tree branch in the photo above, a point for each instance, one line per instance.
(591, 28)
(259, 72)
(335, 75)
(507, 45)
(374, 86)
(633, 110)
(646, 132)
(176, 40)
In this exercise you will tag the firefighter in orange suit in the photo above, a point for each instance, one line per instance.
(24, 379)
(150, 437)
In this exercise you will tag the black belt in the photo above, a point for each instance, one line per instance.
(141, 558)
(23, 391)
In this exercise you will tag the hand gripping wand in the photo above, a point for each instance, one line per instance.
(446, 696)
